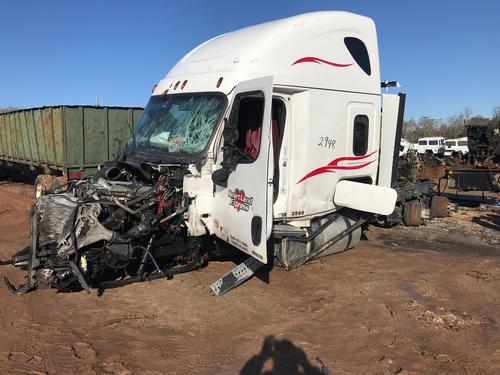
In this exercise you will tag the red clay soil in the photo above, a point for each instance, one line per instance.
(420, 300)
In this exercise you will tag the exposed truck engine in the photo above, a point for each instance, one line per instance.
(118, 225)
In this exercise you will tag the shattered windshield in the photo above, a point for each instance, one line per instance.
(180, 123)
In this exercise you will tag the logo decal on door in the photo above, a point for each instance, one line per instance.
(239, 200)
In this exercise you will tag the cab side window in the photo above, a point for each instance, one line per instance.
(249, 126)
(241, 134)
(360, 136)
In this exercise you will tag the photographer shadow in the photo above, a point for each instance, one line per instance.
(284, 357)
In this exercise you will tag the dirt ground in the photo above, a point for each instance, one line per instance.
(420, 300)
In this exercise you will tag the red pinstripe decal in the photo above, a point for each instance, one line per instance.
(317, 60)
(334, 165)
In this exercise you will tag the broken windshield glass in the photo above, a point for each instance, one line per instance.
(181, 123)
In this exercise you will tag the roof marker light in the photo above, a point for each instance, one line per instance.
(184, 84)
(219, 82)
(164, 93)
(177, 85)
(153, 89)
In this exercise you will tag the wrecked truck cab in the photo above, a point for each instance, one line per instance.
(269, 138)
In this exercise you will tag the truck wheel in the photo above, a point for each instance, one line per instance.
(495, 181)
(439, 206)
(412, 214)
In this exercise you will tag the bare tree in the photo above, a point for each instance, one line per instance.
(495, 118)
(408, 131)
(8, 109)
(427, 126)
(452, 127)
(467, 113)
(478, 120)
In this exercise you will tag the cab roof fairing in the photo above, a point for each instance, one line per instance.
(307, 50)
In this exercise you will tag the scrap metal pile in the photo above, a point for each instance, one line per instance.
(417, 190)
(484, 144)
(113, 229)
(479, 170)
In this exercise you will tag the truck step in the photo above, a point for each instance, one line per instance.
(286, 230)
(242, 272)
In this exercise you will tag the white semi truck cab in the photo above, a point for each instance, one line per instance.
(298, 134)
(275, 139)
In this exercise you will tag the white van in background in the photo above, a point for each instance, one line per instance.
(458, 145)
(435, 145)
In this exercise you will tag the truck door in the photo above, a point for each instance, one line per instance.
(242, 210)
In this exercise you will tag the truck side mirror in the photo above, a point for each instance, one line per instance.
(220, 176)
(229, 159)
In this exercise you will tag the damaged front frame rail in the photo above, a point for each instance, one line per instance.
(141, 276)
(32, 262)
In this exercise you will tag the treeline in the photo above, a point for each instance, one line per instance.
(8, 109)
(452, 127)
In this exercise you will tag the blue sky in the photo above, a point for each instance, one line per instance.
(445, 53)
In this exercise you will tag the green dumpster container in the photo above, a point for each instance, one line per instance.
(72, 141)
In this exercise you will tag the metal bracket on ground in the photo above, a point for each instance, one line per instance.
(236, 276)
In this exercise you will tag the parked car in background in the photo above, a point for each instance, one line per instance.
(435, 145)
(458, 145)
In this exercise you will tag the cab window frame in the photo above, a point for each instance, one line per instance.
(235, 111)
(361, 134)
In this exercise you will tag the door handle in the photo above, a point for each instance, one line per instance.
(256, 230)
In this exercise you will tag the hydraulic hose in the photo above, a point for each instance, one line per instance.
(140, 198)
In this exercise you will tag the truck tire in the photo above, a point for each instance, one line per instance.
(495, 181)
(412, 214)
(439, 206)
